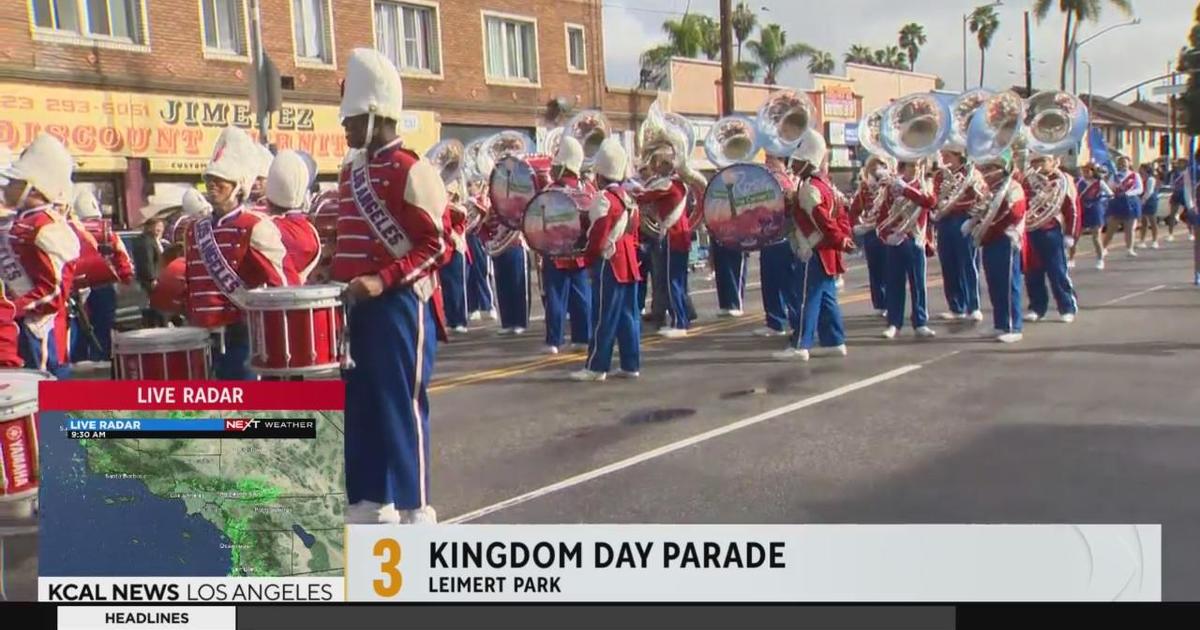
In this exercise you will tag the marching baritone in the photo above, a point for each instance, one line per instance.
(612, 253)
(998, 228)
(902, 226)
(230, 251)
(958, 188)
(820, 238)
(1052, 225)
(567, 288)
(388, 250)
(103, 262)
(287, 186)
(864, 212)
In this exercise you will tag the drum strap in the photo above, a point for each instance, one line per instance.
(12, 272)
(382, 223)
(219, 269)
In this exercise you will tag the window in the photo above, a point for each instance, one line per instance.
(110, 19)
(576, 57)
(313, 36)
(408, 35)
(510, 48)
(224, 26)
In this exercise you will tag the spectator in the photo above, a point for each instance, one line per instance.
(147, 252)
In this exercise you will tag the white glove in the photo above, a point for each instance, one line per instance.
(968, 227)
(1069, 242)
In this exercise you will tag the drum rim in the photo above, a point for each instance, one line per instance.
(46, 376)
(193, 338)
(17, 410)
(296, 371)
(309, 295)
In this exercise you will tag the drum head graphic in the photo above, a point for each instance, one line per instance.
(744, 208)
(511, 188)
(554, 224)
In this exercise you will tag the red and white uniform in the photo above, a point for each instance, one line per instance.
(588, 191)
(455, 226)
(102, 256)
(613, 234)
(1069, 216)
(1010, 219)
(169, 295)
(944, 185)
(46, 249)
(911, 190)
(301, 240)
(822, 223)
(1129, 184)
(667, 199)
(252, 245)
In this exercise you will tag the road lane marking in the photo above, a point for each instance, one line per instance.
(692, 441)
(1133, 295)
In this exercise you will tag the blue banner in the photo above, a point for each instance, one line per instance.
(145, 424)
(1099, 150)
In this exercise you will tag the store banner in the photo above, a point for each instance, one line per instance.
(175, 132)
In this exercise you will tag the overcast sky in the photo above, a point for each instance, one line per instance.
(1119, 59)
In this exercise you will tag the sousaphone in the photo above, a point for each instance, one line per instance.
(744, 203)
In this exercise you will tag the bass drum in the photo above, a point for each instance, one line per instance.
(745, 208)
(512, 185)
(555, 223)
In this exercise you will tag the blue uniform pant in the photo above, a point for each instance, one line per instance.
(454, 290)
(101, 308)
(615, 319)
(1049, 247)
(645, 260)
(479, 277)
(876, 254)
(822, 316)
(41, 353)
(677, 288)
(1002, 268)
(567, 290)
(512, 287)
(232, 362)
(782, 277)
(960, 265)
(393, 342)
(729, 267)
(906, 265)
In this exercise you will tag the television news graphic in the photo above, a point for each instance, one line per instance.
(179, 491)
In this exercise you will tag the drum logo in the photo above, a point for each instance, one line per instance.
(13, 433)
(18, 462)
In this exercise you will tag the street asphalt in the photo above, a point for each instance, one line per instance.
(1093, 422)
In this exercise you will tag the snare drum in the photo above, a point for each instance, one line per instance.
(162, 354)
(19, 441)
(295, 331)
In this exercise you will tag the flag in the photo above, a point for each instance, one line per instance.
(1099, 150)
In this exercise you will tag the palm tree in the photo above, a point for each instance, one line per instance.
(743, 20)
(891, 57)
(912, 38)
(1076, 11)
(821, 62)
(690, 36)
(773, 52)
(746, 71)
(860, 54)
(984, 23)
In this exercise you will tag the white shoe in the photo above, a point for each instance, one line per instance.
(371, 513)
(1070, 264)
(1010, 337)
(462, 330)
(791, 354)
(475, 316)
(951, 316)
(882, 313)
(991, 334)
(1067, 318)
(1032, 317)
(735, 312)
(925, 332)
(1100, 265)
(976, 316)
(420, 516)
(1191, 237)
(767, 331)
(578, 346)
(1154, 245)
(830, 351)
(890, 332)
(491, 315)
(672, 333)
(550, 350)
(724, 313)
(588, 375)
(505, 332)
(1132, 253)
(632, 376)
(1170, 238)
(840, 283)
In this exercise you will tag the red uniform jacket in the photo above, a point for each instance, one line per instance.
(1011, 215)
(613, 234)
(943, 186)
(911, 191)
(301, 240)
(588, 190)
(1070, 215)
(10, 332)
(667, 199)
(251, 243)
(822, 222)
(102, 256)
(413, 194)
(46, 249)
(169, 295)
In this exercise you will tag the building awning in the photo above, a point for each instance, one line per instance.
(101, 164)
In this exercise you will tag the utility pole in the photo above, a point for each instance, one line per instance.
(260, 81)
(1028, 60)
(726, 57)
(1170, 148)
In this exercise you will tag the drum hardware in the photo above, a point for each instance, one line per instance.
(296, 330)
(162, 354)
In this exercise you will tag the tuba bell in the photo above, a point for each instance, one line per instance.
(956, 184)
(731, 140)
(782, 121)
(995, 127)
(915, 127)
(447, 157)
(668, 138)
(591, 129)
(1055, 122)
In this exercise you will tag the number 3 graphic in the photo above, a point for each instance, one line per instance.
(388, 549)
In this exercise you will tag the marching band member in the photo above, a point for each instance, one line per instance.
(258, 190)
(729, 270)
(10, 327)
(480, 298)
(958, 188)
(665, 196)
(566, 279)
(821, 236)
(392, 205)
(40, 248)
(232, 250)
(103, 262)
(510, 264)
(1052, 223)
(781, 275)
(288, 182)
(999, 230)
(864, 212)
(902, 225)
(1126, 205)
(1094, 196)
(454, 274)
(612, 254)
(1149, 220)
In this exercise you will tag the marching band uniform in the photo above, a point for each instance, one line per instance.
(288, 181)
(1126, 204)
(1052, 225)
(103, 262)
(612, 254)
(229, 253)
(957, 192)
(729, 270)
(566, 279)
(36, 257)
(1095, 196)
(480, 299)
(667, 198)
(902, 226)
(454, 274)
(820, 238)
(1002, 242)
(392, 221)
(864, 211)
(511, 266)
(781, 276)
(10, 329)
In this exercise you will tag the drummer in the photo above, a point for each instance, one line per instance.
(231, 251)
(288, 182)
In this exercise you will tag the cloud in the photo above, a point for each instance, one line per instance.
(626, 34)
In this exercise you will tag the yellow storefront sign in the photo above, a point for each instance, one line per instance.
(175, 132)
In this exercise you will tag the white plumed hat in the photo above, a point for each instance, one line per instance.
(811, 148)
(372, 86)
(612, 162)
(86, 205)
(235, 158)
(265, 159)
(569, 154)
(47, 166)
(288, 181)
